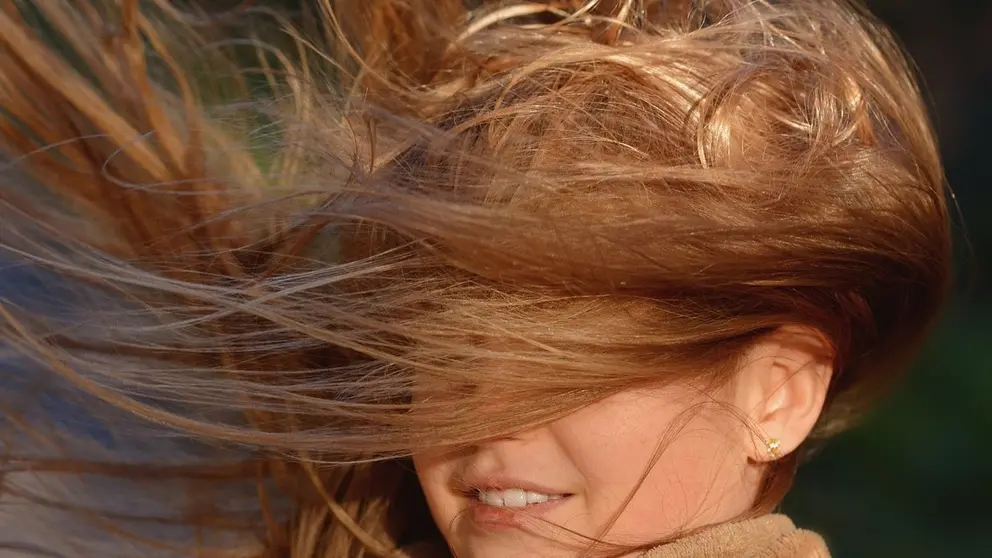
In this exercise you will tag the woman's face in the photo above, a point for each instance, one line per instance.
(497, 500)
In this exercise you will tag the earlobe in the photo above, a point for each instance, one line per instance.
(784, 385)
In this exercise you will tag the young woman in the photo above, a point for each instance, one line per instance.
(488, 279)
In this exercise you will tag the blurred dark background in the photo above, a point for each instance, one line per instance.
(916, 479)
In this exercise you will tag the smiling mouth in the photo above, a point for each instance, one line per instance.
(515, 497)
(507, 508)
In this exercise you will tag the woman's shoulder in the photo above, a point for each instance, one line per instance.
(768, 536)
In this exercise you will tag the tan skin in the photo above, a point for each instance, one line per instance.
(709, 472)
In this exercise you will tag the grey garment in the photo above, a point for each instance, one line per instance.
(36, 515)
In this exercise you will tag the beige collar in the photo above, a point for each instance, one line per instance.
(769, 536)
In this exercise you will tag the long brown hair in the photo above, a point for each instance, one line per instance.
(298, 248)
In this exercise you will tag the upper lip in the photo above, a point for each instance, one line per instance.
(476, 483)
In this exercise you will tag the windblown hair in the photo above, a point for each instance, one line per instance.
(310, 250)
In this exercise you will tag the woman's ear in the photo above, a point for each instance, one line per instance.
(782, 387)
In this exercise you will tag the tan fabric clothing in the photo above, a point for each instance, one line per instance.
(769, 536)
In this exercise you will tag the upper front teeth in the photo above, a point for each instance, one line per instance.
(514, 497)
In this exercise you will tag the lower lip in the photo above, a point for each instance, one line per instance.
(498, 518)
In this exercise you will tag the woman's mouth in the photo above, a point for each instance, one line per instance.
(515, 497)
(510, 508)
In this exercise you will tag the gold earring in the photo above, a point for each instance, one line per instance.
(774, 445)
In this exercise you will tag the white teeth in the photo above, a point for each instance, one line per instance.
(492, 497)
(514, 497)
(536, 497)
